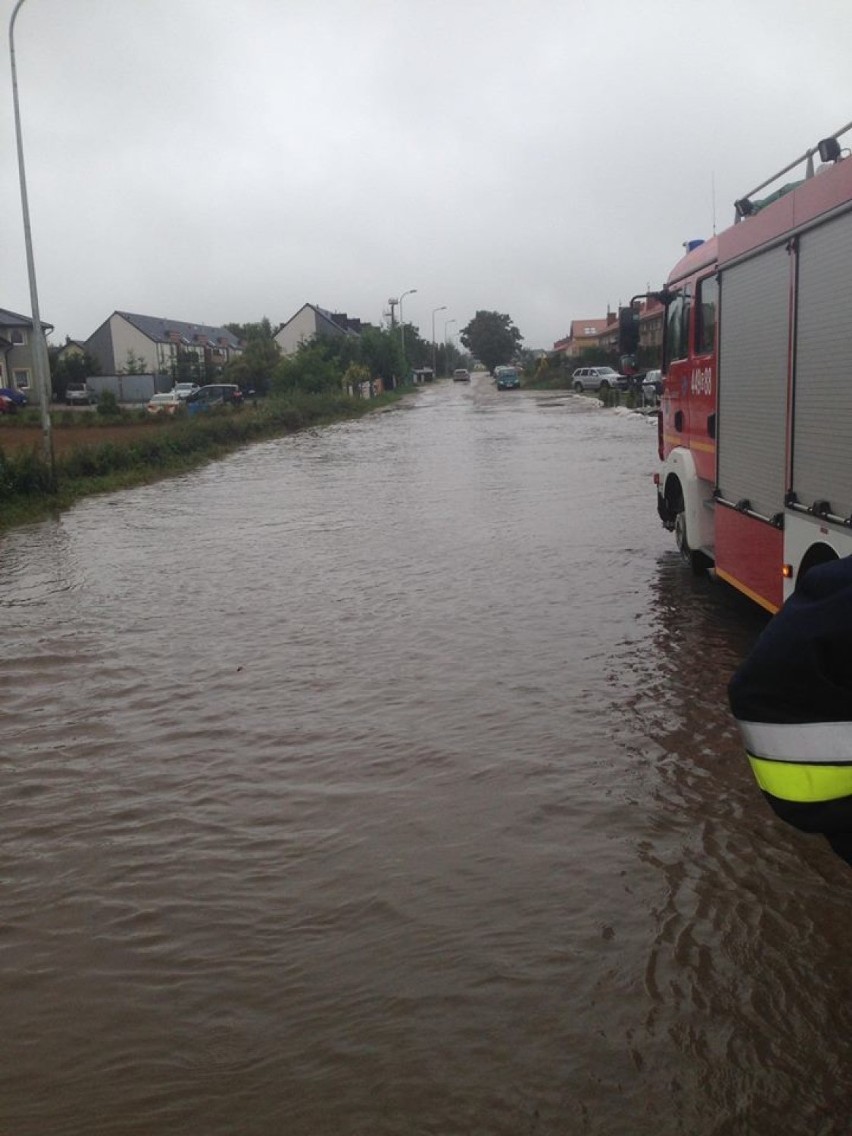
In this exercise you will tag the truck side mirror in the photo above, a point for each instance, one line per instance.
(628, 330)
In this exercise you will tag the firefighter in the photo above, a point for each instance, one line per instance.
(792, 698)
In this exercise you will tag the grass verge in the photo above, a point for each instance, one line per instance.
(140, 453)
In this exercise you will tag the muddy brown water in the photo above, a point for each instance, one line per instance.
(380, 780)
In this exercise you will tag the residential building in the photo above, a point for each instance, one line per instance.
(311, 321)
(71, 347)
(652, 316)
(129, 342)
(603, 333)
(585, 334)
(16, 349)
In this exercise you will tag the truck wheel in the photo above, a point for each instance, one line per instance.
(578, 387)
(697, 561)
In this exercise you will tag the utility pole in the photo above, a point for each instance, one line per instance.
(41, 364)
(442, 308)
(410, 292)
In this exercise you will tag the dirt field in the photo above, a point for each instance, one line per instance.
(65, 438)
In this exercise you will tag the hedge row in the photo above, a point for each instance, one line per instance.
(24, 473)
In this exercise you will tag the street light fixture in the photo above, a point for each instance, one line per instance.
(41, 367)
(442, 308)
(446, 353)
(410, 292)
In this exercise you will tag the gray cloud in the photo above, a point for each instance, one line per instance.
(218, 161)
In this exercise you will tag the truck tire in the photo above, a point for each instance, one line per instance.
(698, 562)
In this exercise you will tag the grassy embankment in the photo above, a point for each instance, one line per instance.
(100, 454)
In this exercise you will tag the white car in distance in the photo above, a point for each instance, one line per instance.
(184, 390)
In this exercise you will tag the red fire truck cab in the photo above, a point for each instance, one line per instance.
(755, 425)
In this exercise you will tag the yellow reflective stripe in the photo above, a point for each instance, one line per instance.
(799, 741)
(674, 440)
(768, 605)
(792, 782)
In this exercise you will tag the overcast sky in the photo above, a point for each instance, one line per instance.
(220, 160)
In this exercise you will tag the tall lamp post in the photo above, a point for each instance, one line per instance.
(410, 292)
(41, 367)
(446, 353)
(442, 308)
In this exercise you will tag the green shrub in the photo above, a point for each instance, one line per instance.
(23, 474)
(108, 405)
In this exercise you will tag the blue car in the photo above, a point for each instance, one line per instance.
(18, 397)
(507, 378)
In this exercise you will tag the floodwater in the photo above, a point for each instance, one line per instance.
(380, 780)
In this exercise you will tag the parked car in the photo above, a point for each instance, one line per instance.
(598, 378)
(77, 394)
(652, 385)
(7, 406)
(18, 397)
(461, 375)
(168, 403)
(184, 390)
(507, 378)
(216, 394)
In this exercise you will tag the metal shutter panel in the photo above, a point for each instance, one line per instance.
(754, 334)
(822, 435)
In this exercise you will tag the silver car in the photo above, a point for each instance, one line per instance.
(78, 394)
(597, 378)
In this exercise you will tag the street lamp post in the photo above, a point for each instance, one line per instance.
(442, 308)
(446, 353)
(41, 367)
(410, 292)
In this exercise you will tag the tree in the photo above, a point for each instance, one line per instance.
(313, 368)
(72, 368)
(186, 368)
(133, 365)
(448, 358)
(254, 368)
(354, 379)
(248, 331)
(418, 353)
(381, 354)
(492, 338)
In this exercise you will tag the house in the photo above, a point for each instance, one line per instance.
(652, 316)
(136, 343)
(311, 321)
(16, 349)
(603, 333)
(585, 334)
(70, 347)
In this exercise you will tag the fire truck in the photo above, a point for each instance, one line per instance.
(755, 421)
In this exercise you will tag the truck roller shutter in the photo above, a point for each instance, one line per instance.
(822, 434)
(753, 357)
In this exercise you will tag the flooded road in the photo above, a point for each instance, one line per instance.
(380, 780)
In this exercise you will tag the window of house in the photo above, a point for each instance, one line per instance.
(20, 379)
(18, 336)
(707, 303)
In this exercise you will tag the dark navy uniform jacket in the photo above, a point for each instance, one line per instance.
(792, 698)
